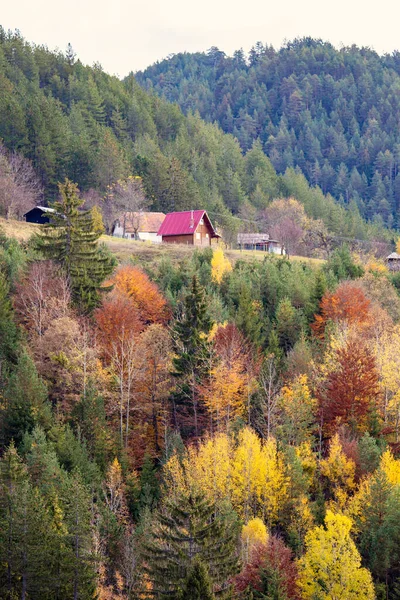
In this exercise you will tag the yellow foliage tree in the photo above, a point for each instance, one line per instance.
(387, 354)
(339, 470)
(298, 409)
(331, 567)
(391, 467)
(225, 394)
(219, 265)
(254, 534)
(249, 473)
(97, 219)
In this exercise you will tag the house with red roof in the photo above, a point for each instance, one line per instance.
(188, 227)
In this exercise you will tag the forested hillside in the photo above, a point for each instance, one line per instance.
(194, 429)
(73, 120)
(333, 113)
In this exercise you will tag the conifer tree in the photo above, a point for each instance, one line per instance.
(192, 348)
(27, 403)
(70, 240)
(186, 530)
(8, 330)
(197, 585)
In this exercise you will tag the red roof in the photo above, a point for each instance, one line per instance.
(184, 223)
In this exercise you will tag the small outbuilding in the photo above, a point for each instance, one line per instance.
(393, 261)
(39, 214)
(139, 226)
(259, 241)
(188, 227)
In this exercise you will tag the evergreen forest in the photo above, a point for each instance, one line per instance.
(332, 113)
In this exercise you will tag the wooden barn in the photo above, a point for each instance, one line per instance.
(39, 214)
(189, 227)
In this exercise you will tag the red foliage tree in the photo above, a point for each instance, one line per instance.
(351, 390)
(348, 304)
(271, 564)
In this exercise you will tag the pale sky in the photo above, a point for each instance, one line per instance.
(128, 35)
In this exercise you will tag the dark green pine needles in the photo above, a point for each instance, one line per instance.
(189, 529)
(69, 239)
(191, 351)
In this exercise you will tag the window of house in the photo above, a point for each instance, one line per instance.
(206, 235)
(201, 221)
(198, 236)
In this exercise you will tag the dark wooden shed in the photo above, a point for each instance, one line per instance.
(39, 214)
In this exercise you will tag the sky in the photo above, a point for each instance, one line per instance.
(129, 35)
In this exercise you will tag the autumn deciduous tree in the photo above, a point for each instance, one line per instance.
(41, 296)
(154, 355)
(20, 188)
(225, 392)
(118, 327)
(249, 473)
(339, 472)
(254, 534)
(219, 265)
(348, 305)
(284, 219)
(331, 567)
(143, 294)
(126, 200)
(351, 390)
(297, 411)
(271, 573)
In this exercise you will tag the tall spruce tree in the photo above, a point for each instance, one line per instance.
(188, 529)
(192, 349)
(198, 584)
(69, 239)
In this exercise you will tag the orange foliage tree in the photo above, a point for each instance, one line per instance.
(351, 390)
(119, 325)
(144, 295)
(116, 319)
(225, 394)
(154, 353)
(347, 305)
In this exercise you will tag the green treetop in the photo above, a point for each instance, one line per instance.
(71, 240)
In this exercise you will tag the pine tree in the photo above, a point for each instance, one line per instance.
(192, 349)
(197, 585)
(248, 316)
(8, 330)
(69, 239)
(27, 403)
(190, 529)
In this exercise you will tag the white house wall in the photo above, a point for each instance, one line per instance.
(142, 235)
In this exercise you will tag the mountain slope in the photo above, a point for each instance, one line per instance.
(333, 113)
(77, 121)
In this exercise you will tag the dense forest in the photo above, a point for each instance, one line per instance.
(332, 113)
(71, 120)
(195, 429)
